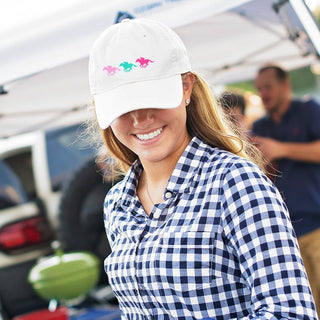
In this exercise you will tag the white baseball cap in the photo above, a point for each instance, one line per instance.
(136, 64)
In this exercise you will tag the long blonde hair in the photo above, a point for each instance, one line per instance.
(204, 120)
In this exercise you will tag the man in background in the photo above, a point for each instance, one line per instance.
(289, 137)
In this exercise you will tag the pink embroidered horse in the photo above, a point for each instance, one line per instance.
(111, 70)
(144, 62)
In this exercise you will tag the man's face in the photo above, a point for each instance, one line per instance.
(271, 90)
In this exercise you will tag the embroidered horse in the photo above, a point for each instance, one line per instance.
(111, 70)
(144, 62)
(127, 67)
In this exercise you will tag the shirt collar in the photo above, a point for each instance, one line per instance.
(288, 112)
(190, 163)
(183, 176)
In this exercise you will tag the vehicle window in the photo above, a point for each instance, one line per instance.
(66, 151)
(11, 190)
(21, 165)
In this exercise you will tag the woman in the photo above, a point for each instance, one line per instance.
(197, 231)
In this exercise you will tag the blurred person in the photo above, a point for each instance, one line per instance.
(289, 137)
(197, 231)
(234, 106)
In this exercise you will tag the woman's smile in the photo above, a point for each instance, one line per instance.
(153, 134)
(149, 136)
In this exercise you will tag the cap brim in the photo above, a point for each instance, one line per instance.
(166, 93)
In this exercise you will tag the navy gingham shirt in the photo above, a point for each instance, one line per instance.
(221, 245)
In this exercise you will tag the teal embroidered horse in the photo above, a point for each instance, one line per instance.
(127, 67)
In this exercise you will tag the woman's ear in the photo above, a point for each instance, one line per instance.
(188, 81)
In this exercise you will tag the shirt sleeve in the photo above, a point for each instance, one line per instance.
(110, 202)
(259, 233)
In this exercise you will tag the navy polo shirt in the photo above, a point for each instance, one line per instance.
(298, 181)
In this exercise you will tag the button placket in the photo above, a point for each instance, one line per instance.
(168, 195)
(138, 291)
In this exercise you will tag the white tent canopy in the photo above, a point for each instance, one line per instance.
(44, 64)
(67, 35)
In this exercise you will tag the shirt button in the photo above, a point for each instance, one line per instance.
(168, 194)
(157, 215)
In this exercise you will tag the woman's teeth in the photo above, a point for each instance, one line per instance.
(149, 135)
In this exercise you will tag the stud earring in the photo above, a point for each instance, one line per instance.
(187, 101)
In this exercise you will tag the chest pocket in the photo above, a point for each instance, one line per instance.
(184, 261)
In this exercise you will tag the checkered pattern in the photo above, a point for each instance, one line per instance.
(221, 245)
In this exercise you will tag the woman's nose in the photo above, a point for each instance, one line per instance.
(142, 118)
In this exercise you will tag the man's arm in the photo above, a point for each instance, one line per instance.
(273, 149)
